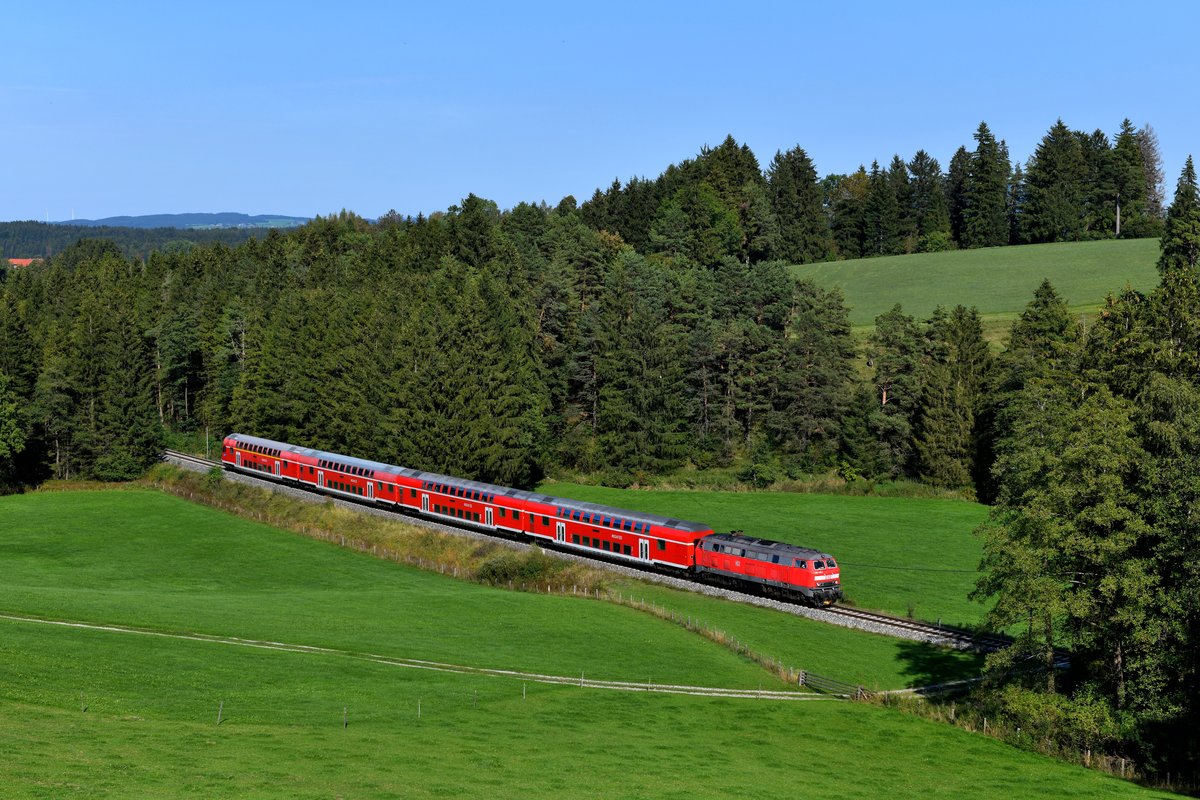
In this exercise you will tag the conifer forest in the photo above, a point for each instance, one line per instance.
(655, 326)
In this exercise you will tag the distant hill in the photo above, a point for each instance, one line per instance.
(999, 281)
(42, 240)
(226, 219)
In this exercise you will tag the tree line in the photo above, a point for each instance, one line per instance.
(1076, 186)
(46, 240)
(1092, 543)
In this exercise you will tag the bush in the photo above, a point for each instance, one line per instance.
(529, 567)
(213, 478)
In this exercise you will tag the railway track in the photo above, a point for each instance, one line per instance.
(838, 615)
(962, 639)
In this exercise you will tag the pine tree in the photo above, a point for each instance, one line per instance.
(1130, 195)
(640, 422)
(956, 194)
(1153, 170)
(1176, 305)
(1054, 183)
(813, 377)
(1018, 205)
(13, 431)
(849, 224)
(895, 351)
(881, 215)
(931, 215)
(1099, 181)
(796, 199)
(985, 223)
(902, 189)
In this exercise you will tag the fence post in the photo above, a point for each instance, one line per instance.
(802, 678)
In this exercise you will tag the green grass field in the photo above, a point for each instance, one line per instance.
(111, 713)
(897, 554)
(999, 281)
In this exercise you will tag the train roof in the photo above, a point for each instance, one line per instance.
(782, 548)
(499, 491)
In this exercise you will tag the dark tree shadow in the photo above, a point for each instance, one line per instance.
(927, 665)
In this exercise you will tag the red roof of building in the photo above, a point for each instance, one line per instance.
(21, 262)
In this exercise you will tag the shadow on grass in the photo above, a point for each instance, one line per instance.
(926, 665)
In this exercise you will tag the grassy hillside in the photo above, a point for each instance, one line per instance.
(111, 713)
(898, 554)
(999, 281)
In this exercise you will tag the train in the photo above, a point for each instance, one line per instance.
(650, 541)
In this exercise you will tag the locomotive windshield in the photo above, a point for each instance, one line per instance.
(818, 565)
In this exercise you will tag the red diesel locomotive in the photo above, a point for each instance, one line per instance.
(648, 540)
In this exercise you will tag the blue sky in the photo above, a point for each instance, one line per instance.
(307, 108)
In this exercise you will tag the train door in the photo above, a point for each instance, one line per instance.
(277, 468)
(237, 457)
(487, 515)
(644, 549)
(320, 479)
(424, 504)
(560, 531)
(370, 490)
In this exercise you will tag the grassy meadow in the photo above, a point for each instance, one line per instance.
(114, 713)
(906, 556)
(999, 281)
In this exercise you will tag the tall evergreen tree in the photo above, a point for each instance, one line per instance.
(985, 223)
(1018, 206)
(1099, 182)
(796, 199)
(897, 174)
(895, 351)
(849, 206)
(1153, 169)
(1055, 188)
(881, 215)
(930, 213)
(957, 180)
(814, 377)
(1130, 192)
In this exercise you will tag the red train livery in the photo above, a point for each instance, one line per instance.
(634, 537)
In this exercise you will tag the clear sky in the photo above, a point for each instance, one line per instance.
(306, 108)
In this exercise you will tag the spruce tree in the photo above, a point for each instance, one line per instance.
(1130, 193)
(849, 224)
(1055, 184)
(895, 351)
(930, 213)
(902, 189)
(796, 199)
(881, 215)
(813, 379)
(985, 223)
(956, 194)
